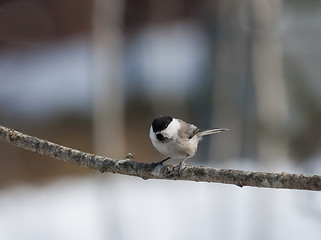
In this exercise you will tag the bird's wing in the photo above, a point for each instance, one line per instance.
(187, 131)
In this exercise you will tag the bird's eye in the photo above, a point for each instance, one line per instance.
(160, 137)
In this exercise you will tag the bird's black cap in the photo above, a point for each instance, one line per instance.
(161, 123)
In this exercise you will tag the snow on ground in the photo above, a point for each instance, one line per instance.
(121, 207)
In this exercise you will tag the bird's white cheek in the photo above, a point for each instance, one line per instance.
(172, 129)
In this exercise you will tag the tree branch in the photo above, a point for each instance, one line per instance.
(147, 171)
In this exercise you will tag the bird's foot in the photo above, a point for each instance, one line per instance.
(160, 162)
(180, 166)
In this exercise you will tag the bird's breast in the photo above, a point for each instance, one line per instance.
(176, 148)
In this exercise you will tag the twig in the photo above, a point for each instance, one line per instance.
(146, 171)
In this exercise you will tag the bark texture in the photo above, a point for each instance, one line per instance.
(147, 171)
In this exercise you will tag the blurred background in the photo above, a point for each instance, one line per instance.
(93, 74)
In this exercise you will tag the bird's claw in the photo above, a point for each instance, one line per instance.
(180, 167)
(156, 164)
(160, 162)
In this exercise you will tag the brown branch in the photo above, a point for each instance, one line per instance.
(147, 171)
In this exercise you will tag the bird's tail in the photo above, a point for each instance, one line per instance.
(212, 131)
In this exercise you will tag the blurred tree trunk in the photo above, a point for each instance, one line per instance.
(249, 92)
(230, 79)
(271, 97)
(108, 93)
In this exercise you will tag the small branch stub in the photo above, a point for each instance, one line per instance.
(148, 171)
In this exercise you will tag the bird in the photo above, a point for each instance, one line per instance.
(175, 138)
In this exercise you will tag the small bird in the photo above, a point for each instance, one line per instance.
(175, 138)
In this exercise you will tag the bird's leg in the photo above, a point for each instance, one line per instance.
(181, 165)
(160, 162)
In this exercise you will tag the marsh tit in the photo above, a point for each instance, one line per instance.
(175, 138)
